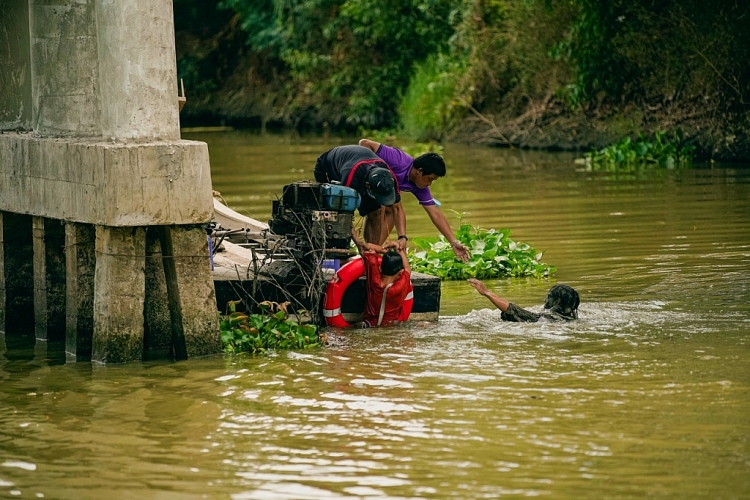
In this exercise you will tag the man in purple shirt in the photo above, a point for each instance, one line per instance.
(413, 176)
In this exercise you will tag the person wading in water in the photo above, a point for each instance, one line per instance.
(387, 284)
(561, 304)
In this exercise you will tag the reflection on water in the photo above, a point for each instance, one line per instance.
(646, 394)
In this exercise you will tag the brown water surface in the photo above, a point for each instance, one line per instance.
(647, 394)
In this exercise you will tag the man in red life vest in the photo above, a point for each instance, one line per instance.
(387, 284)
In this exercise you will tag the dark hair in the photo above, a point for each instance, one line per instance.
(430, 163)
(391, 263)
(563, 300)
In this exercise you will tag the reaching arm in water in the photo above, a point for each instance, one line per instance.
(561, 304)
(500, 303)
(510, 311)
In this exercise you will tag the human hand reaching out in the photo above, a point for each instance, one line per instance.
(461, 251)
(478, 285)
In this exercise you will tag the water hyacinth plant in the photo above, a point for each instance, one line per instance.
(665, 150)
(270, 329)
(493, 254)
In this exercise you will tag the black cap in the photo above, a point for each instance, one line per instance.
(382, 186)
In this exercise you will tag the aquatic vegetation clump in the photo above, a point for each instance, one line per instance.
(665, 150)
(493, 254)
(269, 329)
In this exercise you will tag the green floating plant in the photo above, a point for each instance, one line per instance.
(665, 150)
(257, 333)
(492, 254)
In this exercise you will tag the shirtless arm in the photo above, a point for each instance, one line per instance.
(361, 245)
(399, 219)
(377, 248)
(405, 261)
(402, 253)
(441, 223)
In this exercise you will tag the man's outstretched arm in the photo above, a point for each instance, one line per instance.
(501, 304)
(441, 223)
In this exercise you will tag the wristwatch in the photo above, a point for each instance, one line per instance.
(403, 236)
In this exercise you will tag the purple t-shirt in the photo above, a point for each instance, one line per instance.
(401, 165)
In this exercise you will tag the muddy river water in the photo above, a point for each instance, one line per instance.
(647, 394)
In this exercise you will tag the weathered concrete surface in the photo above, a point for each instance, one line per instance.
(64, 68)
(138, 69)
(99, 68)
(80, 265)
(18, 273)
(192, 299)
(158, 322)
(88, 103)
(119, 294)
(103, 183)
(49, 278)
(15, 67)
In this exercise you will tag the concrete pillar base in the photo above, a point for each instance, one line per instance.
(18, 274)
(124, 294)
(49, 278)
(158, 322)
(80, 261)
(190, 289)
(152, 291)
(119, 288)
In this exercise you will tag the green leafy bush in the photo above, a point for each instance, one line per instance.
(664, 150)
(493, 254)
(257, 333)
(347, 61)
(423, 64)
(432, 103)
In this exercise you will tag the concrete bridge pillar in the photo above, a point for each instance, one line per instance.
(138, 87)
(90, 123)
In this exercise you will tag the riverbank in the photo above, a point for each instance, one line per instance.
(544, 75)
(547, 124)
